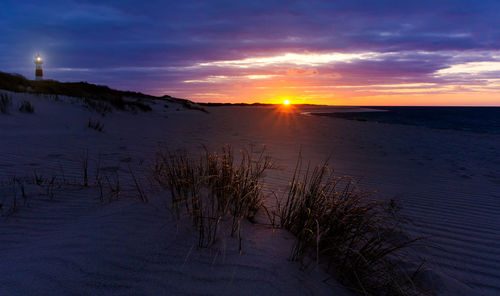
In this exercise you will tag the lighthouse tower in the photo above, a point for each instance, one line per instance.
(38, 71)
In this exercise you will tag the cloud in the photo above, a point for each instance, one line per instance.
(301, 71)
(156, 46)
(472, 68)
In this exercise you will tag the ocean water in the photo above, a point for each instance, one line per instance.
(474, 119)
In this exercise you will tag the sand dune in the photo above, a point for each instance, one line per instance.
(447, 181)
(72, 244)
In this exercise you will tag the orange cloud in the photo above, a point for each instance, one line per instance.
(300, 71)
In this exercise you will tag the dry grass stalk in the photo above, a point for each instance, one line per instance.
(85, 167)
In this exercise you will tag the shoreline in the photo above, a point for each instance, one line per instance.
(483, 120)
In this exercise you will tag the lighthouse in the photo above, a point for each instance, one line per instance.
(38, 71)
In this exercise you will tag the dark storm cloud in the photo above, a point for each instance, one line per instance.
(162, 39)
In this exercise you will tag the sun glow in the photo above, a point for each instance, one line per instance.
(286, 102)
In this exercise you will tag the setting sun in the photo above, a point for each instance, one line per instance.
(286, 102)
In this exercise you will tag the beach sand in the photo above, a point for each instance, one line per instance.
(448, 183)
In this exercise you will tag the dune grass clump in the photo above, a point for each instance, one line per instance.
(105, 105)
(190, 106)
(360, 239)
(5, 103)
(212, 187)
(140, 105)
(26, 107)
(100, 107)
(95, 125)
(46, 186)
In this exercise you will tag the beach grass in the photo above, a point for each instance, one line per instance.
(26, 107)
(5, 103)
(356, 238)
(213, 186)
(95, 125)
(359, 238)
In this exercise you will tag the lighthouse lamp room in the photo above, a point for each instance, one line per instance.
(38, 70)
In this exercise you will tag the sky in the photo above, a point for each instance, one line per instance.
(321, 52)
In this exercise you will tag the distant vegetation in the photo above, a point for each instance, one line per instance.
(94, 95)
(233, 104)
(246, 104)
(84, 90)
